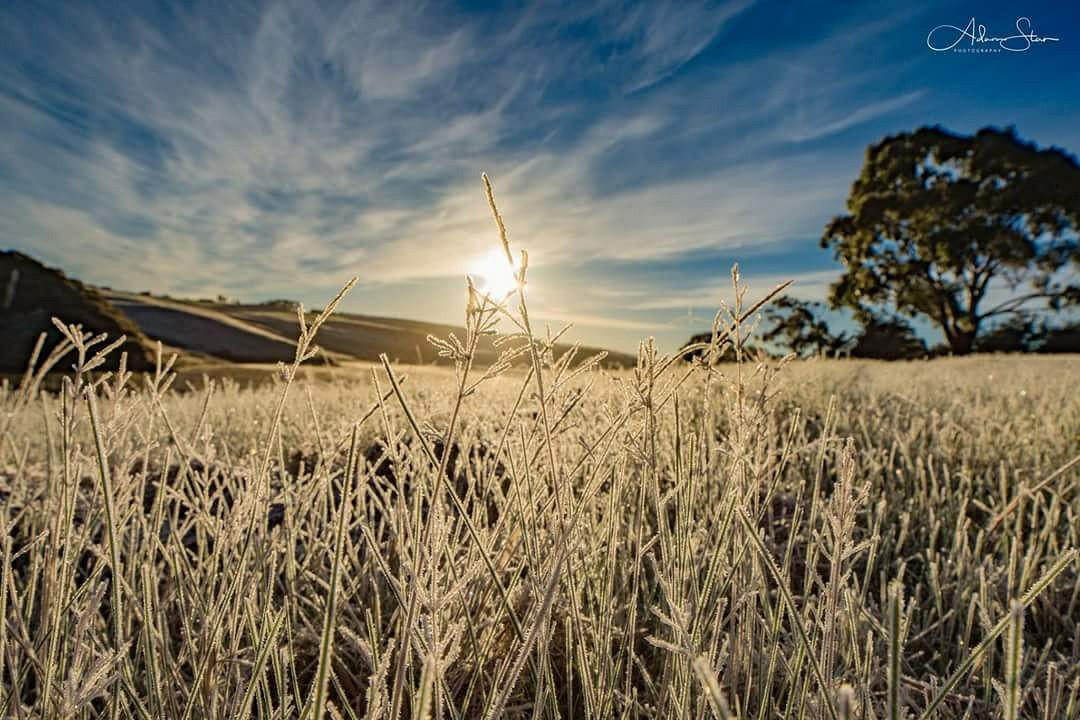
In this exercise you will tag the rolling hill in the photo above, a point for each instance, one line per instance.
(267, 333)
(31, 294)
(194, 328)
(210, 335)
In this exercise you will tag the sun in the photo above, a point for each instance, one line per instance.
(493, 275)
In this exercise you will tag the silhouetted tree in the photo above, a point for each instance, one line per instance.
(888, 339)
(797, 326)
(1064, 339)
(1020, 333)
(728, 354)
(936, 218)
(280, 304)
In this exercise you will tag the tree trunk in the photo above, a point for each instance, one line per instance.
(961, 342)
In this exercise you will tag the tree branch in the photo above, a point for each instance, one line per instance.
(1013, 304)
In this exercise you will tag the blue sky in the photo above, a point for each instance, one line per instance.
(637, 149)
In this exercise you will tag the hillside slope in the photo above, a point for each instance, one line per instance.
(203, 329)
(364, 337)
(267, 333)
(31, 294)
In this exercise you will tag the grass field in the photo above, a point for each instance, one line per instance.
(744, 540)
(529, 535)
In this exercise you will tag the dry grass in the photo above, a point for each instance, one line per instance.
(753, 540)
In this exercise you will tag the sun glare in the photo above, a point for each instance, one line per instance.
(493, 275)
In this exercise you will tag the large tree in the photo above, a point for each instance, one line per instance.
(960, 229)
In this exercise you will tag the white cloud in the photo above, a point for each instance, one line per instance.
(284, 149)
(394, 51)
(666, 36)
(806, 286)
(862, 114)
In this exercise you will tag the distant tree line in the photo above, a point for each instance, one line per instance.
(791, 325)
(977, 235)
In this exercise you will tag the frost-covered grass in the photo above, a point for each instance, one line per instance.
(740, 539)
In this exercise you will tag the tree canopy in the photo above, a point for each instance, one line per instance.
(959, 229)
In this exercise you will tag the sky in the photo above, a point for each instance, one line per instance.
(637, 150)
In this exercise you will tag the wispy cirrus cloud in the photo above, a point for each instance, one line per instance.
(807, 286)
(860, 115)
(276, 148)
(662, 37)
